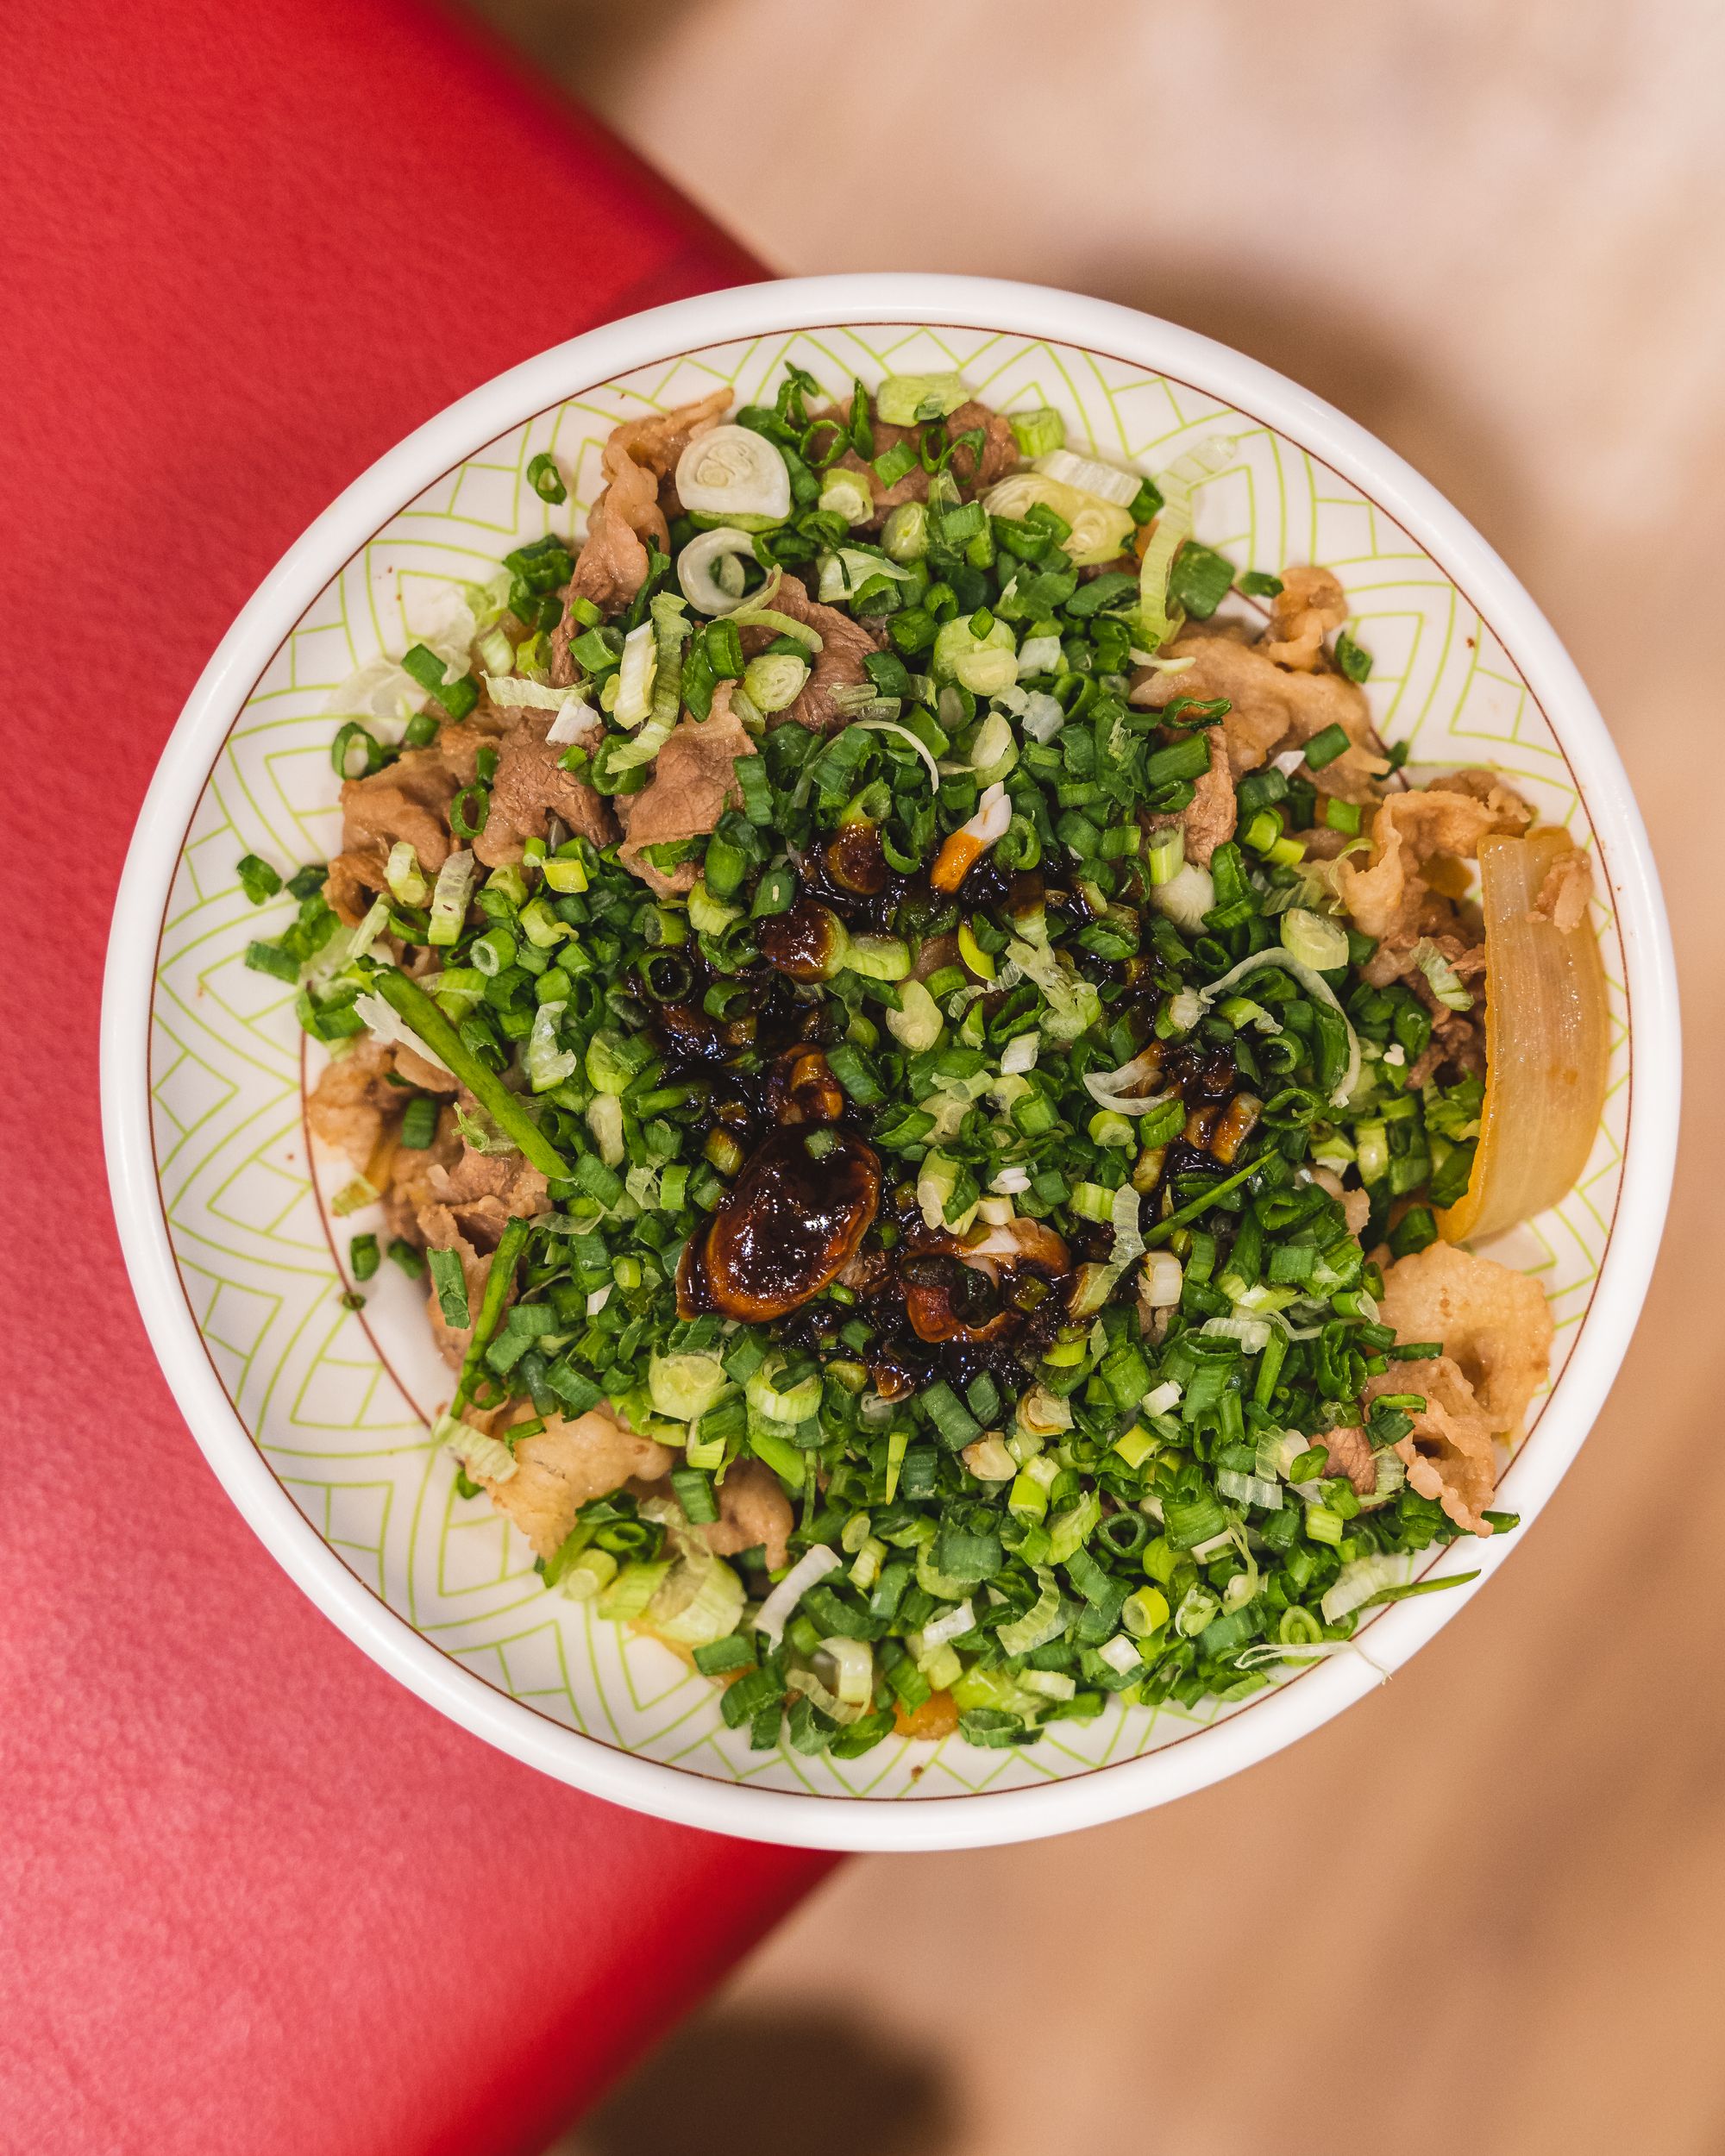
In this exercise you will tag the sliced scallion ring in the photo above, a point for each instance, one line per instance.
(699, 563)
(732, 471)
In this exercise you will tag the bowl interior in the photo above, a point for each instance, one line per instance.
(337, 1402)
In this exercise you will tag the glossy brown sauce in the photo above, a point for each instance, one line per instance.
(803, 942)
(854, 862)
(792, 1222)
(789, 1225)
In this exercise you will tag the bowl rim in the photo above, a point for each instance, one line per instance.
(397, 478)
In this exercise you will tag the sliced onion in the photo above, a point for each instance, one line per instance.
(892, 726)
(806, 1683)
(384, 1025)
(695, 567)
(1019, 1054)
(1164, 1277)
(853, 1662)
(775, 1613)
(1186, 897)
(1128, 1237)
(850, 568)
(949, 1624)
(732, 471)
(698, 1602)
(1111, 1088)
(1252, 1333)
(1107, 482)
(1315, 986)
(1358, 1581)
(1545, 1043)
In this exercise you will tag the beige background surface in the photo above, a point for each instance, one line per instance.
(1485, 1909)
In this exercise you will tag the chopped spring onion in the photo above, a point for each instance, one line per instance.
(388, 1026)
(1252, 1333)
(757, 610)
(1186, 896)
(401, 873)
(892, 726)
(631, 1592)
(589, 1573)
(376, 920)
(699, 1602)
(1164, 1277)
(703, 565)
(912, 400)
(1043, 1622)
(850, 569)
(1315, 985)
(683, 1386)
(952, 1624)
(936, 1188)
(1038, 433)
(449, 898)
(1314, 939)
(1019, 1054)
(917, 1023)
(994, 752)
(984, 665)
(1358, 1581)
(1043, 716)
(811, 1567)
(1039, 655)
(905, 534)
(847, 494)
(1100, 530)
(730, 470)
(1249, 1489)
(411, 1003)
(775, 681)
(989, 1461)
(1442, 977)
(809, 1687)
(604, 1120)
(635, 673)
(1157, 622)
(794, 1405)
(547, 1064)
(853, 1663)
(484, 1457)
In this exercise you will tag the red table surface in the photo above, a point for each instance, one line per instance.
(243, 248)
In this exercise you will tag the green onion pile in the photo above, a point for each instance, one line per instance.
(1055, 1429)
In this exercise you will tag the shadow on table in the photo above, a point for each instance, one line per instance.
(744, 2083)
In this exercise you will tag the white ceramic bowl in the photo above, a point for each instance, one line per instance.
(312, 1417)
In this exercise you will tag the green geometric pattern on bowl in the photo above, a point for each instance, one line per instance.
(337, 1402)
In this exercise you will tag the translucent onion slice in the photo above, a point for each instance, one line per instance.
(1545, 1043)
